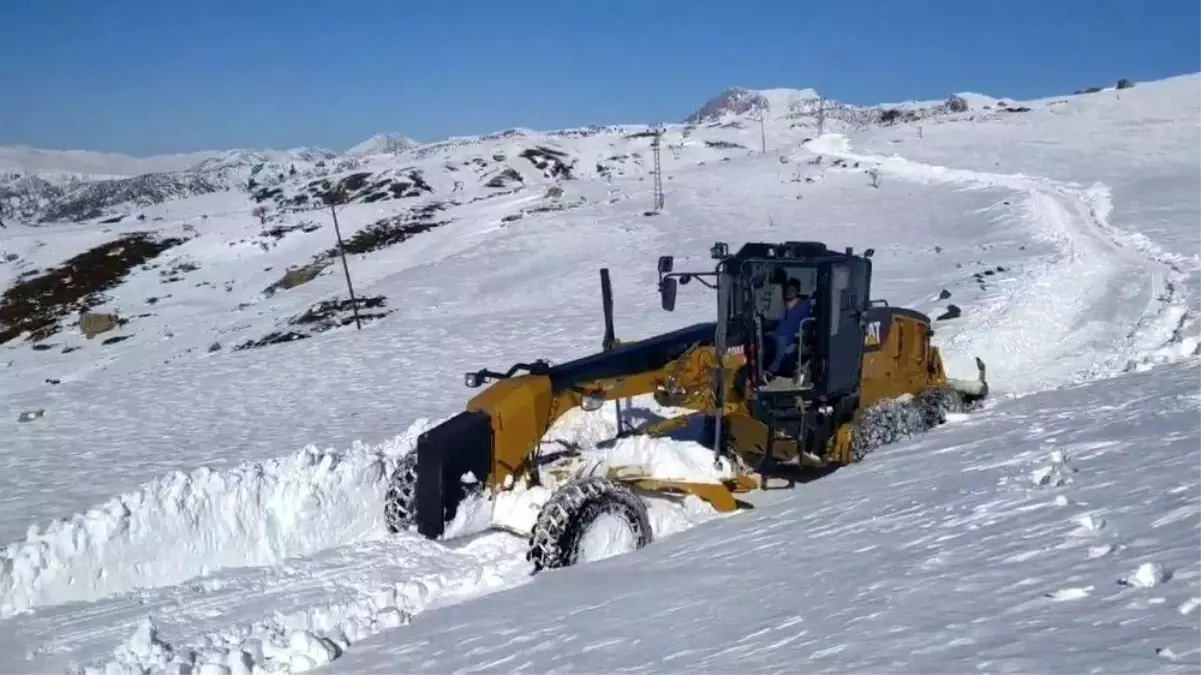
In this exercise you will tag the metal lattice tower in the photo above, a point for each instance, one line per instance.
(658, 170)
(821, 116)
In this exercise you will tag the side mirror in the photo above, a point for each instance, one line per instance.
(666, 263)
(869, 253)
(667, 293)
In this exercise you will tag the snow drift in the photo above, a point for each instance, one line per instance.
(188, 524)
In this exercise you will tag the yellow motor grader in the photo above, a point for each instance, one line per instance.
(859, 373)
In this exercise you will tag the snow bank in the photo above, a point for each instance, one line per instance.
(291, 651)
(329, 602)
(588, 439)
(188, 524)
(353, 589)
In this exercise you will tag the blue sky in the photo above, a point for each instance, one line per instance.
(153, 76)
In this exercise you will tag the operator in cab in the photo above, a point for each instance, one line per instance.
(796, 309)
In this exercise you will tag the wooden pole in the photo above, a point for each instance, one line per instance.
(354, 305)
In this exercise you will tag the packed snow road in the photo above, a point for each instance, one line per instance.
(1107, 301)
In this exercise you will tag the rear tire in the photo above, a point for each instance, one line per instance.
(588, 519)
(400, 500)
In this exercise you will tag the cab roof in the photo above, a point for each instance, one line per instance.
(799, 251)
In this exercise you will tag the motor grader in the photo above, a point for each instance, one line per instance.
(861, 373)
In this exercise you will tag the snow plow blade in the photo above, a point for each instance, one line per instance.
(460, 446)
(971, 390)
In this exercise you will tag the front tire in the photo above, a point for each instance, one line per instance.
(588, 519)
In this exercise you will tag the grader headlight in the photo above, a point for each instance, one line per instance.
(592, 401)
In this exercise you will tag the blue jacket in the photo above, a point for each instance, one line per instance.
(786, 331)
(791, 323)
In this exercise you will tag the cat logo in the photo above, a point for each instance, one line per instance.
(873, 335)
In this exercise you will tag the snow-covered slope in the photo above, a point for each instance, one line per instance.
(202, 484)
(1057, 533)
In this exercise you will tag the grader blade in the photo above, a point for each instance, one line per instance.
(719, 495)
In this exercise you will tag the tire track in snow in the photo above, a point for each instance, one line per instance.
(1075, 317)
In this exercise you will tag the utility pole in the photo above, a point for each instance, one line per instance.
(762, 133)
(332, 197)
(655, 144)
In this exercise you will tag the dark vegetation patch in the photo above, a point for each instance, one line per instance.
(359, 187)
(725, 145)
(38, 303)
(268, 238)
(894, 115)
(323, 316)
(378, 235)
(329, 314)
(545, 208)
(617, 164)
(176, 270)
(551, 162)
(392, 230)
(274, 338)
(280, 231)
(507, 178)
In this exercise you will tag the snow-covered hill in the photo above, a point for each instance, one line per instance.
(203, 482)
(49, 186)
(25, 160)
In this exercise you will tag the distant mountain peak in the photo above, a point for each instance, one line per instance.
(741, 100)
(383, 144)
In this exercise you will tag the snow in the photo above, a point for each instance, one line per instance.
(166, 505)
(81, 163)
